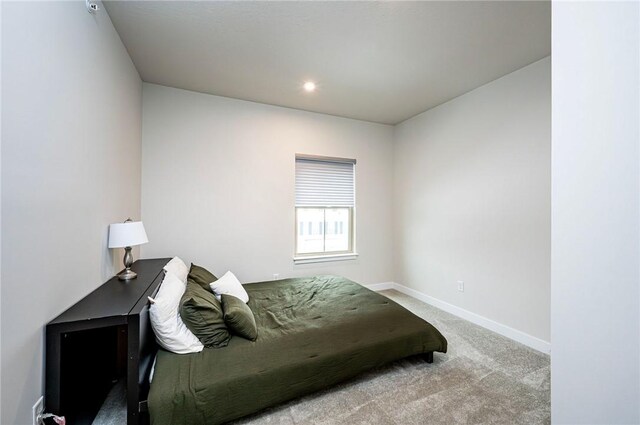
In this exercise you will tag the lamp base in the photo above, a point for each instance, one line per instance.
(127, 274)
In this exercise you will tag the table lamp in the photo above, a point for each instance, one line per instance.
(125, 235)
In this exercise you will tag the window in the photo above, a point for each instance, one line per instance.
(325, 203)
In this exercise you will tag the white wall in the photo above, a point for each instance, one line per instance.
(218, 184)
(595, 313)
(472, 201)
(71, 129)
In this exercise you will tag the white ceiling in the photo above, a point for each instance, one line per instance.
(375, 61)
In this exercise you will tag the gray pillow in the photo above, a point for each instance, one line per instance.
(201, 276)
(202, 313)
(239, 317)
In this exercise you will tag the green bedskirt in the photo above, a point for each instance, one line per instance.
(312, 333)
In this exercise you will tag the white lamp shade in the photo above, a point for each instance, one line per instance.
(126, 234)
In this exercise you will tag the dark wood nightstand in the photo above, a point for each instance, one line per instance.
(99, 341)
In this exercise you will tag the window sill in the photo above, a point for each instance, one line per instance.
(325, 258)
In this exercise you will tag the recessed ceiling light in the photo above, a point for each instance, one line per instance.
(309, 86)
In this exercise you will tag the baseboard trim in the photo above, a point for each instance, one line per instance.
(381, 286)
(504, 330)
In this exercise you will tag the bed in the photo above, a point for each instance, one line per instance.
(312, 333)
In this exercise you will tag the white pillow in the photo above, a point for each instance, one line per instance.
(171, 332)
(230, 285)
(178, 268)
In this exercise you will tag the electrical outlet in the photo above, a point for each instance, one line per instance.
(461, 286)
(37, 410)
(276, 276)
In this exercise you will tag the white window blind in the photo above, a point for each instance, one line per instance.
(324, 182)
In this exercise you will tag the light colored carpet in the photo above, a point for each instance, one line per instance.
(114, 408)
(485, 378)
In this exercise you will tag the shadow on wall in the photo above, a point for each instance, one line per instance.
(108, 261)
(35, 358)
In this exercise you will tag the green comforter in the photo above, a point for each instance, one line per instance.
(312, 333)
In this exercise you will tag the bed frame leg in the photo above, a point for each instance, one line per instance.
(428, 357)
